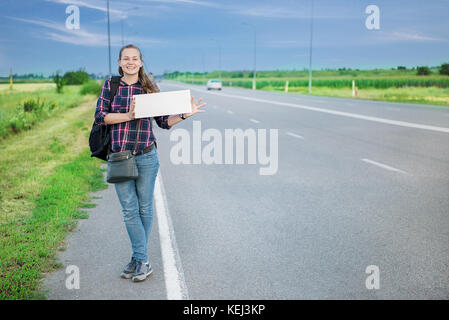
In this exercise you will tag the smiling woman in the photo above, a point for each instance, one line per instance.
(133, 139)
(130, 59)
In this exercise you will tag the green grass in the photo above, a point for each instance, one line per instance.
(421, 90)
(46, 174)
(17, 87)
(51, 142)
(303, 74)
(394, 84)
(431, 95)
(91, 87)
(361, 83)
(14, 118)
(5, 80)
(29, 245)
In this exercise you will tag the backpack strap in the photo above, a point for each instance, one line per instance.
(115, 81)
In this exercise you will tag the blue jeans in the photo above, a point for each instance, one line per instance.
(136, 199)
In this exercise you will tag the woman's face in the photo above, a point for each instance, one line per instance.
(130, 61)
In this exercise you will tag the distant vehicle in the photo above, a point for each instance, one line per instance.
(214, 84)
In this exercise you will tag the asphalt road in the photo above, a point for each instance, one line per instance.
(358, 184)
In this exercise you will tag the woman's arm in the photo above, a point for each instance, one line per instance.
(103, 116)
(161, 121)
(113, 118)
(175, 119)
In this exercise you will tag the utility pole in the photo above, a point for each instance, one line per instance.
(310, 53)
(109, 42)
(219, 57)
(219, 61)
(122, 18)
(254, 73)
(204, 70)
(254, 76)
(121, 27)
(10, 78)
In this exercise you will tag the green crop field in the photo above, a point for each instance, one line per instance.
(379, 84)
(18, 87)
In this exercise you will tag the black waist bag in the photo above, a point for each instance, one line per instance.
(122, 165)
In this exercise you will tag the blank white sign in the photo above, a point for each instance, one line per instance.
(162, 103)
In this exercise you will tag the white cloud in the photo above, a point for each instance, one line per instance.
(283, 43)
(131, 8)
(92, 4)
(389, 37)
(82, 36)
(193, 2)
(271, 12)
(301, 10)
(411, 37)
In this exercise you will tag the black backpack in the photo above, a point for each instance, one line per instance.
(99, 139)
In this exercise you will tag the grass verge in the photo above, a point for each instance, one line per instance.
(46, 174)
(419, 95)
(29, 246)
(42, 104)
(431, 95)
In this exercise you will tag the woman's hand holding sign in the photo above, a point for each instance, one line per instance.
(132, 114)
(195, 107)
(173, 119)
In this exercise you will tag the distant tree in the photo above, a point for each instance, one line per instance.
(402, 68)
(60, 82)
(444, 69)
(76, 77)
(422, 71)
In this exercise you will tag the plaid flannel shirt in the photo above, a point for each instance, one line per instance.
(124, 135)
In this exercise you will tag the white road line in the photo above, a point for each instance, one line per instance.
(254, 120)
(382, 165)
(295, 135)
(230, 112)
(341, 113)
(173, 273)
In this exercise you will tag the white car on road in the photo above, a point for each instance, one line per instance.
(214, 84)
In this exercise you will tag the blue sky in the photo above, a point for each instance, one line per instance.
(181, 34)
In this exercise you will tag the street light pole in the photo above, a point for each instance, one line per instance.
(109, 42)
(219, 61)
(254, 78)
(254, 73)
(310, 53)
(121, 27)
(204, 70)
(219, 57)
(122, 18)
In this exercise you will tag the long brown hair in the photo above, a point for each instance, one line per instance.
(147, 85)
